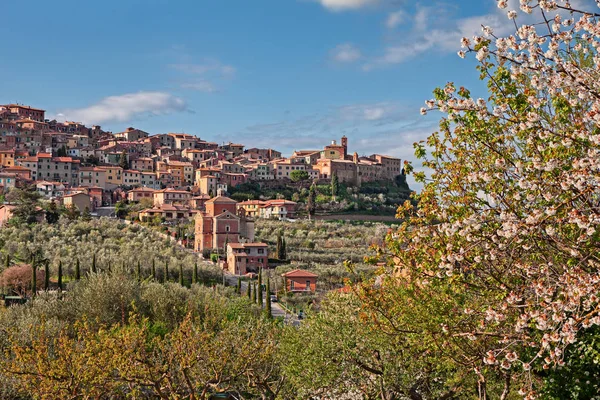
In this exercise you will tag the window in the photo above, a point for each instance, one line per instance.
(291, 285)
(227, 228)
(261, 251)
(307, 285)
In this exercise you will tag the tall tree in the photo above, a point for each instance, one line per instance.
(283, 249)
(77, 270)
(499, 258)
(249, 291)
(259, 295)
(33, 277)
(153, 270)
(27, 204)
(254, 298)
(335, 186)
(60, 275)
(47, 275)
(239, 286)
(181, 274)
(52, 213)
(123, 163)
(195, 273)
(166, 272)
(311, 201)
(94, 269)
(138, 271)
(268, 299)
(278, 252)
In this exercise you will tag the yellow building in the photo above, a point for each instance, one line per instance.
(114, 174)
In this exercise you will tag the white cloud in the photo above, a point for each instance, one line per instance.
(346, 53)
(432, 30)
(207, 66)
(126, 107)
(204, 76)
(396, 18)
(200, 86)
(340, 5)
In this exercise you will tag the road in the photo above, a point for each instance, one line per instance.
(276, 309)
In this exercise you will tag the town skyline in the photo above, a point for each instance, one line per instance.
(360, 68)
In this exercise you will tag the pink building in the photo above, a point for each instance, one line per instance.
(246, 257)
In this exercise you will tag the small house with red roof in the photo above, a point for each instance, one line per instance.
(300, 280)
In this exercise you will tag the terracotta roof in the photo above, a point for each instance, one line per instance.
(62, 159)
(21, 106)
(259, 244)
(299, 273)
(221, 200)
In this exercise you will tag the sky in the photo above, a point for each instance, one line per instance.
(286, 74)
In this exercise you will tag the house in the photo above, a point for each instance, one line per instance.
(131, 177)
(220, 223)
(300, 280)
(143, 164)
(7, 181)
(149, 179)
(168, 212)
(80, 201)
(92, 176)
(140, 193)
(246, 257)
(50, 189)
(171, 196)
(278, 209)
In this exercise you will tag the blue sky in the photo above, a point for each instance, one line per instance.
(289, 74)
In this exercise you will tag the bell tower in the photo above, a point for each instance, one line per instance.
(345, 145)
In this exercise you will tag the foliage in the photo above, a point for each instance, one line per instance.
(497, 265)
(155, 341)
(298, 175)
(18, 279)
(26, 201)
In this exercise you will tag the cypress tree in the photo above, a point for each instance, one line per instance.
(311, 205)
(254, 298)
(153, 270)
(47, 275)
(195, 273)
(138, 271)
(60, 276)
(94, 270)
(278, 249)
(33, 278)
(249, 291)
(334, 185)
(239, 286)
(268, 300)
(181, 274)
(259, 295)
(283, 250)
(77, 270)
(166, 272)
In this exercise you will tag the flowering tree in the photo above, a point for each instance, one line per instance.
(501, 254)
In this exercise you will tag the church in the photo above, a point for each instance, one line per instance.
(222, 223)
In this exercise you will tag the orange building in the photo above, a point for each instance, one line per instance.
(221, 223)
(300, 280)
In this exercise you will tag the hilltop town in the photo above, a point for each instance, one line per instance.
(87, 167)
